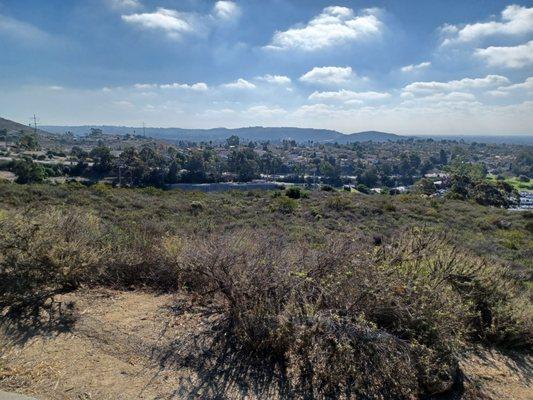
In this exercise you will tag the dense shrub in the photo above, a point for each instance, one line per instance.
(28, 172)
(196, 207)
(339, 202)
(362, 188)
(45, 254)
(482, 192)
(294, 192)
(284, 205)
(346, 318)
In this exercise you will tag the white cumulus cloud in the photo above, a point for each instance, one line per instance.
(144, 86)
(451, 97)
(328, 75)
(427, 88)
(226, 10)
(526, 85)
(348, 96)
(240, 84)
(515, 20)
(275, 79)
(334, 26)
(503, 91)
(200, 86)
(416, 67)
(509, 57)
(174, 23)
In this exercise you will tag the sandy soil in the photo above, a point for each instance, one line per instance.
(136, 345)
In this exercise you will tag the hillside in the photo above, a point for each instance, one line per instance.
(109, 293)
(370, 136)
(15, 127)
(249, 133)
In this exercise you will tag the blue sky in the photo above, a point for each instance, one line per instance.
(409, 67)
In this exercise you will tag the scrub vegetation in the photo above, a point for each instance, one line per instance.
(350, 295)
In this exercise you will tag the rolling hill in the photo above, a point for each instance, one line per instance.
(250, 133)
(15, 127)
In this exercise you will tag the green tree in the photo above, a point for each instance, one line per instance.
(487, 194)
(28, 172)
(425, 186)
(196, 168)
(244, 162)
(443, 157)
(330, 171)
(103, 159)
(29, 142)
(78, 152)
(368, 177)
(133, 168)
(473, 171)
(172, 174)
(233, 140)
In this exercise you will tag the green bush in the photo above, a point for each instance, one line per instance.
(294, 192)
(196, 207)
(362, 188)
(284, 204)
(339, 202)
(28, 172)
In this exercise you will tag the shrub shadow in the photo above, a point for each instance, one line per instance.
(20, 325)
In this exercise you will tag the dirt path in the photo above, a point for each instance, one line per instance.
(132, 345)
(113, 352)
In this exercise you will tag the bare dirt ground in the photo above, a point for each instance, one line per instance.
(9, 176)
(137, 345)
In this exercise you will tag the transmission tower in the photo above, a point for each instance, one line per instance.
(33, 123)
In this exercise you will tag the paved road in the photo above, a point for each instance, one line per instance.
(13, 396)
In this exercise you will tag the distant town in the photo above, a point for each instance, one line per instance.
(488, 173)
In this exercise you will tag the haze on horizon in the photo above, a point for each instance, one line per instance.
(441, 68)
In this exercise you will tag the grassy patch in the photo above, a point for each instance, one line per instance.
(515, 182)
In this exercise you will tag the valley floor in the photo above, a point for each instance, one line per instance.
(139, 345)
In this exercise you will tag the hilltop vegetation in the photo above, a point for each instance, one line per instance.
(366, 296)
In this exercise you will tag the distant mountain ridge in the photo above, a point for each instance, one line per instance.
(257, 133)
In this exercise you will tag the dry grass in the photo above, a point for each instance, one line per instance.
(341, 318)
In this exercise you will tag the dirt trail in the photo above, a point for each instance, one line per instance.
(132, 345)
(114, 351)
